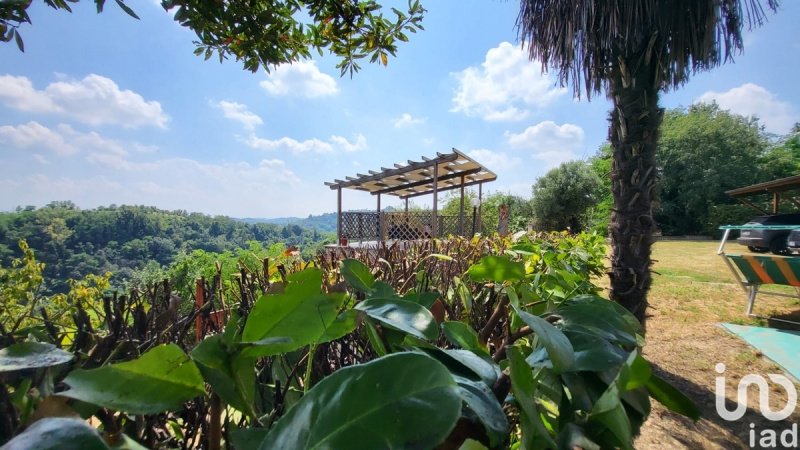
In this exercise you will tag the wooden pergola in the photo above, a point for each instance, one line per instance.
(447, 171)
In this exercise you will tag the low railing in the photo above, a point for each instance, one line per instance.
(374, 226)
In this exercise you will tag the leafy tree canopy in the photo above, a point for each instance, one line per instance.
(705, 151)
(564, 195)
(265, 33)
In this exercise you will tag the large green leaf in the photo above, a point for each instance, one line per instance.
(161, 379)
(464, 336)
(403, 400)
(357, 275)
(609, 411)
(559, 349)
(672, 398)
(463, 294)
(300, 313)
(465, 363)
(403, 315)
(58, 433)
(32, 355)
(593, 353)
(600, 317)
(534, 433)
(498, 269)
(248, 438)
(231, 375)
(344, 324)
(484, 405)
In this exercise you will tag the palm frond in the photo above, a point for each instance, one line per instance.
(581, 39)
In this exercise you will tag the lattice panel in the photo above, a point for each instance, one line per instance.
(399, 225)
(360, 225)
(408, 226)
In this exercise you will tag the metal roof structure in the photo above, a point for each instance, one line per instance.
(774, 188)
(444, 172)
(769, 187)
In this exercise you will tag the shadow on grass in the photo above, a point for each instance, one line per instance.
(712, 428)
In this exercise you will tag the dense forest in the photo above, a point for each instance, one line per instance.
(74, 242)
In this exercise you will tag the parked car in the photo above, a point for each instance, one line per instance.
(762, 241)
(793, 241)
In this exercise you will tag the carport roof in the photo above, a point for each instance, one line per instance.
(768, 187)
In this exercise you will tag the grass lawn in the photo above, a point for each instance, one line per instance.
(692, 292)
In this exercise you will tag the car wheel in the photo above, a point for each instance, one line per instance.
(758, 249)
(778, 247)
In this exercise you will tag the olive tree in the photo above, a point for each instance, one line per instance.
(563, 196)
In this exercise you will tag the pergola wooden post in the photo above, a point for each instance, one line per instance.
(380, 224)
(461, 210)
(435, 225)
(339, 215)
(480, 204)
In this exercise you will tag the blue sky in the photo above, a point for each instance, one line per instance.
(104, 109)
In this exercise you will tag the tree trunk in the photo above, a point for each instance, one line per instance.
(633, 132)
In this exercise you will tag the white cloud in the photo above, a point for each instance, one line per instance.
(63, 140)
(505, 88)
(549, 142)
(342, 143)
(334, 144)
(239, 113)
(178, 183)
(95, 100)
(753, 100)
(406, 120)
(494, 160)
(34, 135)
(302, 78)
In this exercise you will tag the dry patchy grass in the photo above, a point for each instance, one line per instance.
(692, 293)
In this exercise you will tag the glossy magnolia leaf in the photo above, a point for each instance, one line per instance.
(357, 275)
(344, 324)
(672, 398)
(465, 363)
(402, 315)
(161, 379)
(593, 353)
(301, 313)
(231, 375)
(600, 317)
(426, 299)
(463, 294)
(573, 436)
(497, 269)
(248, 438)
(481, 401)
(58, 434)
(609, 411)
(403, 400)
(462, 335)
(534, 433)
(559, 349)
(32, 355)
(471, 444)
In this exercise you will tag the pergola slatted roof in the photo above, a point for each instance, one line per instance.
(417, 178)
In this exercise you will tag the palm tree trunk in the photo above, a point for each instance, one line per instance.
(633, 132)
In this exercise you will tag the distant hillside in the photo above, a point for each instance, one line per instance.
(122, 239)
(324, 222)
